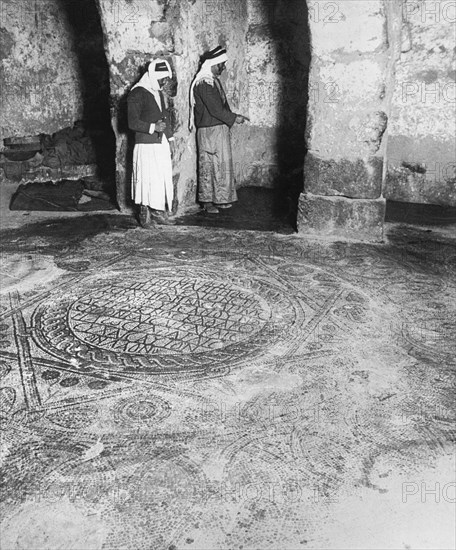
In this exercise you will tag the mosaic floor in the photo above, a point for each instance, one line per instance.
(187, 388)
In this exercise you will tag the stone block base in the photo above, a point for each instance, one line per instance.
(339, 218)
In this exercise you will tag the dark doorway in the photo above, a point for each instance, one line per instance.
(84, 24)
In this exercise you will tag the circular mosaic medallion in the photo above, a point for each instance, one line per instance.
(165, 324)
(138, 411)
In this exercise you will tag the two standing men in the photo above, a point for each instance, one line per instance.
(148, 117)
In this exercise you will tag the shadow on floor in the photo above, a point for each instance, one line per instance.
(425, 250)
(62, 232)
(257, 209)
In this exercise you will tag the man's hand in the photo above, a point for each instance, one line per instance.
(240, 119)
(160, 126)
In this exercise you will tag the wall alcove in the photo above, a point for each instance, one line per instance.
(84, 26)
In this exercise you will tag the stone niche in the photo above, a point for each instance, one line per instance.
(349, 102)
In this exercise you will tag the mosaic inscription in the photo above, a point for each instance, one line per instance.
(167, 316)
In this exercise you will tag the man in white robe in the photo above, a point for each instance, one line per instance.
(149, 118)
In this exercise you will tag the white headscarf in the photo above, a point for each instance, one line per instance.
(150, 78)
(204, 74)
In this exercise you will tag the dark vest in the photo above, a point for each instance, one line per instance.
(143, 110)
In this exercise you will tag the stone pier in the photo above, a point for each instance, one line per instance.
(346, 121)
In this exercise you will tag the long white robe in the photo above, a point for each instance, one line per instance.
(152, 180)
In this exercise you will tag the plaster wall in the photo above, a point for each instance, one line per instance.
(40, 90)
(422, 127)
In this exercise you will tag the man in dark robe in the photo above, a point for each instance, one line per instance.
(210, 113)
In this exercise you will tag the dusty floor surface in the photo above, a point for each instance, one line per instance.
(192, 388)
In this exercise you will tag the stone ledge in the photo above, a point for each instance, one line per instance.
(341, 218)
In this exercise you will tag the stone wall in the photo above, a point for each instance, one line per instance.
(39, 78)
(422, 125)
